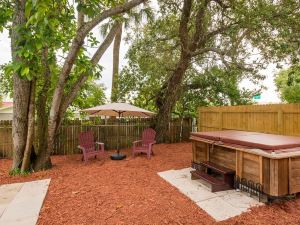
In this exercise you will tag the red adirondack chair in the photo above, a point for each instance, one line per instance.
(145, 145)
(89, 147)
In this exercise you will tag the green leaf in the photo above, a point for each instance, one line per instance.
(28, 8)
(25, 71)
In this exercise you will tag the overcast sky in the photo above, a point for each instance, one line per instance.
(268, 96)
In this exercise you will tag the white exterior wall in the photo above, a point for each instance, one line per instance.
(6, 113)
(6, 116)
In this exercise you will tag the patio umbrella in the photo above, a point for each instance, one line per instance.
(118, 110)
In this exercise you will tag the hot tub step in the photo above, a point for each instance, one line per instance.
(213, 183)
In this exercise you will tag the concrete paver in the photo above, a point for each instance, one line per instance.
(26, 200)
(220, 205)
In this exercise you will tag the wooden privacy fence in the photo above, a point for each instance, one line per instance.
(105, 131)
(275, 119)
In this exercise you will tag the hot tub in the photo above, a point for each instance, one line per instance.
(273, 161)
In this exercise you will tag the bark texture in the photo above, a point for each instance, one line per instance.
(30, 132)
(42, 114)
(21, 88)
(116, 64)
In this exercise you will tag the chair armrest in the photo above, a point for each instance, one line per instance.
(152, 143)
(136, 142)
(101, 145)
(81, 148)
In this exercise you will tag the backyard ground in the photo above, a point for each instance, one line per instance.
(131, 192)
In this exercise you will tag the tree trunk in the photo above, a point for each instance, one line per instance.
(116, 64)
(168, 96)
(21, 94)
(30, 132)
(42, 112)
(43, 161)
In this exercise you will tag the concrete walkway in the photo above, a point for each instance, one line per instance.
(20, 203)
(219, 205)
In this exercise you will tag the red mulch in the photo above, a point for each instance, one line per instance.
(131, 192)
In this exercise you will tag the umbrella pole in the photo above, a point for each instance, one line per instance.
(118, 156)
(118, 145)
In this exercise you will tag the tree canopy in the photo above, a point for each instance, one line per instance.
(288, 84)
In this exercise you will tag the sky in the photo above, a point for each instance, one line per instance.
(267, 96)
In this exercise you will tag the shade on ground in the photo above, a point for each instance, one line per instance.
(220, 205)
(20, 203)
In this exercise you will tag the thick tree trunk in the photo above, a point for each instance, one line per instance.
(116, 64)
(30, 132)
(43, 161)
(42, 112)
(21, 88)
(168, 96)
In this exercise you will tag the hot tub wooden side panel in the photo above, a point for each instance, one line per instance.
(200, 151)
(294, 175)
(250, 167)
(279, 177)
(222, 156)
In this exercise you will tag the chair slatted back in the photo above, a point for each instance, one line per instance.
(148, 136)
(87, 141)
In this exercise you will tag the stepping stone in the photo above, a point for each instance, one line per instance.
(219, 205)
(219, 209)
(25, 206)
(7, 194)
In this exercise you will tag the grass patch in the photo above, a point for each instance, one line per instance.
(17, 172)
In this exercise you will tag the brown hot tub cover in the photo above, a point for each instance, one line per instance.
(251, 139)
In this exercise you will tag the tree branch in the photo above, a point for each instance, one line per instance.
(80, 19)
(69, 97)
(183, 28)
(112, 12)
(199, 25)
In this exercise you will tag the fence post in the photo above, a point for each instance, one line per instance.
(280, 121)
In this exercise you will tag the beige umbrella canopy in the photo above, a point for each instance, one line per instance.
(118, 110)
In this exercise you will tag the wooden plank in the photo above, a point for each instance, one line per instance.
(283, 175)
(279, 183)
(261, 170)
(280, 121)
(239, 163)
(273, 177)
(266, 175)
(223, 157)
(207, 151)
(251, 168)
(294, 175)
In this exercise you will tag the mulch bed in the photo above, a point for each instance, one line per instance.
(131, 192)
